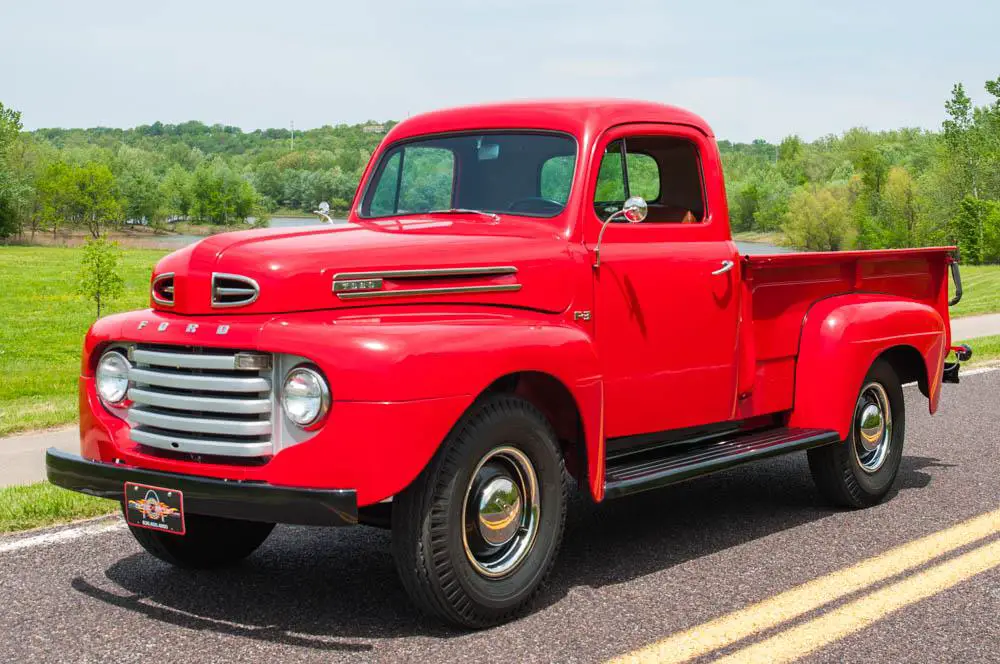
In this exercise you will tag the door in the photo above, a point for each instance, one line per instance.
(667, 290)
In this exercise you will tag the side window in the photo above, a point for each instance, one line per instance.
(384, 199)
(643, 176)
(555, 177)
(428, 174)
(664, 170)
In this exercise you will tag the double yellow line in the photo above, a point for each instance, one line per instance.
(799, 640)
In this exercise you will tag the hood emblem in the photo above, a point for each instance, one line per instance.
(355, 285)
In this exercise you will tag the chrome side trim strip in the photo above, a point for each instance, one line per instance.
(416, 292)
(199, 382)
(152, 289)
(429, 273)
(200, 445)
(199, 403)
(183, 360)
(139, 415)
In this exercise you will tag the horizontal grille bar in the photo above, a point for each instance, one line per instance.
(182, 443)
(184, 360)
(223, 427)
(200, 382)
(199, 403)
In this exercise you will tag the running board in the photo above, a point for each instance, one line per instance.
(673, 464)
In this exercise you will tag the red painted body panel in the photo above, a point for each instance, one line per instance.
(841, 338)
(650, 341)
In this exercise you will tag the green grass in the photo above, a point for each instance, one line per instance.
(42, 504)
(42, 325)
(981, 291)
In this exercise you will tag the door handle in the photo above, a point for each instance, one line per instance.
(726, 267)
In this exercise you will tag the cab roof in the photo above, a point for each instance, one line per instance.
(579, 117)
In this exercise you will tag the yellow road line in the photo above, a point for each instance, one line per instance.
(855, 616)
(740, 624)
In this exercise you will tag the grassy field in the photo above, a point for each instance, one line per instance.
(41, 504)
(981, 286)
(42, 324)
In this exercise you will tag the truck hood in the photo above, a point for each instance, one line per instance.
(513, 262)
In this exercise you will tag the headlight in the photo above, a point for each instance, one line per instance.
(112, 377)
(305, 397)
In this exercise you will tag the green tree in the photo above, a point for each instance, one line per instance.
(177, 191)
(143, 199)
(93, 197)
(14, 191)
(819, 218)
(967, 229)
(100, 279)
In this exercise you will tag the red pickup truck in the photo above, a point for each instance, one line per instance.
(525, 297)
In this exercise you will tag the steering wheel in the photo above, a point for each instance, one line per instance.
(539, 203)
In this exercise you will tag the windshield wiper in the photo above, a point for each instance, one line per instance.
(491, 215)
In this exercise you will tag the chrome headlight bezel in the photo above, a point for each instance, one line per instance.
(321, 394)
(117, 397)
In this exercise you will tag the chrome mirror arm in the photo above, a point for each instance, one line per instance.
(634, 211)
(600, 236)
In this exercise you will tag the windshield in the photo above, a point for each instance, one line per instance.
(514, 173)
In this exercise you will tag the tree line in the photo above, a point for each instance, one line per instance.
(97, 179)
(875, 190)
(860, 189)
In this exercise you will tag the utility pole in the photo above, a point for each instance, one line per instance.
(293, 136)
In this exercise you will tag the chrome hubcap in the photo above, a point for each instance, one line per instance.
(500, 512)
(872, 427)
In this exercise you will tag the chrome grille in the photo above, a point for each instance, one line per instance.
(196, 401)
(233, 290)
(162, 289)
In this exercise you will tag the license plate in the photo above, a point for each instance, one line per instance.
(155, 508)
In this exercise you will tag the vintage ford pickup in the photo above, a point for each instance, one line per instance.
(525, 297)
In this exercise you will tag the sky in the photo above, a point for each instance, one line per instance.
(753, 69)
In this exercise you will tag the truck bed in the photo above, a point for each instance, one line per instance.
(779, 290)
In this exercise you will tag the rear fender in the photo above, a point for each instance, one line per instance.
(842, 336)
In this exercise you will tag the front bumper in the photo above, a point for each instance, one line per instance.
(250, 501)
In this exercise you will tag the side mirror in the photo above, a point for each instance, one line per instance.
(633, 211)
(324, 212)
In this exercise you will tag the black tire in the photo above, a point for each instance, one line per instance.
(839, 471)
(430, 541)
(209, 542)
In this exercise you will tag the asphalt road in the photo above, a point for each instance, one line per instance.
(631, 573)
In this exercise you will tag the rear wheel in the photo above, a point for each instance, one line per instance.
(475, 535)
(210, 541)
(860, 471)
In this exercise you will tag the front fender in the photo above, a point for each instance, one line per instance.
(400, 381)
(449, 358)
(842, 336)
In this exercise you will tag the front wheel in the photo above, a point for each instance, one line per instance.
(477, 532)
(860, 471)
(210, 541)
